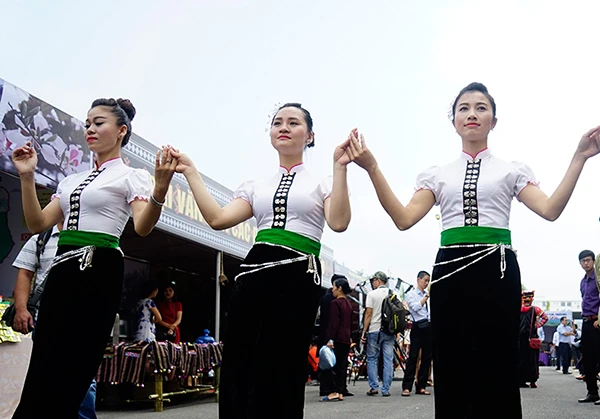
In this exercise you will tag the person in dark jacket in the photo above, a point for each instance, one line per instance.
(338, 339)
(323, 325)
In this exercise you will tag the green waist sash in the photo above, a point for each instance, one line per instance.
(290, 239)
(87, 238)
(475, 234)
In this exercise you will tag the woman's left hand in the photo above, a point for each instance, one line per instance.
(589, 145)
(163, 172)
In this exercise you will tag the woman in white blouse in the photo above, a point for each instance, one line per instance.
(273, 307)
(83, 290)
(475, 258)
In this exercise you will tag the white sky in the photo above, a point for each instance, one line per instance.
(205, 75)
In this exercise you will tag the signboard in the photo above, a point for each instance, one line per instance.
(57, 137)
(554, 317)
(181, 216)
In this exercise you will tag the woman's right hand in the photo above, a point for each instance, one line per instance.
(185, 165)
(23, 322)
(25, 159)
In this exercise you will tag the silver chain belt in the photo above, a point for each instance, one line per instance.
(85, 255)
(312, 263)
(487, 250)
(85, 261)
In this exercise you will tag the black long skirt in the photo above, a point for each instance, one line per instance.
(76, 315)
(529, 370)
(265, 348)
(473, 313)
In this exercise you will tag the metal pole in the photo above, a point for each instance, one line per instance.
(116, 330)
(362, 306)
(218, 298)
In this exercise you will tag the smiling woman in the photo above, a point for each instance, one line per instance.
(87, 273)
(475, 193)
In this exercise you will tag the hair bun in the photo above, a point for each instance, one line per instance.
(477, 86)
(128, 107)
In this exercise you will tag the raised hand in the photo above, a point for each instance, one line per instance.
(25, 159)
(359, 153)
(163, 170)
(340, 156)
(589, 145)
(184, 163)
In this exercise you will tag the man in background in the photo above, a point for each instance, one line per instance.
(376, 340)
(590, 330)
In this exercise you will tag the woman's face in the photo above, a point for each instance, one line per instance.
(169, 293)
(289, 132)
(336, 291)
(101, 131)
(473, 116)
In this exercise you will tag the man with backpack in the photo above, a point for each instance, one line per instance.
(376, 339)
(33, 263)
(420, 337)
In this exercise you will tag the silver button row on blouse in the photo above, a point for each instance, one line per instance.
(470, 192)
(280, 200)
(75, 199)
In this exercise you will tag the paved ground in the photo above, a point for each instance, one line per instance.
(556, 398)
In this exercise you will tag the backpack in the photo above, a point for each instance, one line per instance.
(393, 315)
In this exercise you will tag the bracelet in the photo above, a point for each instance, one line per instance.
(155, 202)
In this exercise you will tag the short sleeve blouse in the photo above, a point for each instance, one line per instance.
(477, 188)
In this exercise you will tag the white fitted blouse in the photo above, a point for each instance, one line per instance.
(99, 200)
(476, 191)
(294, 201)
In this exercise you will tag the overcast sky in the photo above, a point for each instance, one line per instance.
(205, 75)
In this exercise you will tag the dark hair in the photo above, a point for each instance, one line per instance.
(337, 276)
(563, 318)
(422, 274)
(146, 288)
(164, 288)
(343, 284)
(307, 119)
(474, 87)
(123, 110)
(586, 253)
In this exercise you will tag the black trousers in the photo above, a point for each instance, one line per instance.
(565, 355)
(461, 336)
(335, 378)
(420, 339)
(269, 323)
(590, 348)
(77, 313)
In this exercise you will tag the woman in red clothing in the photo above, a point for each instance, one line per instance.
(171, 312)
(338, 338)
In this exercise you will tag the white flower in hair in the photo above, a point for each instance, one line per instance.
(271, 115)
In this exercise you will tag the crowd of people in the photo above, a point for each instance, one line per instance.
(281, 275)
